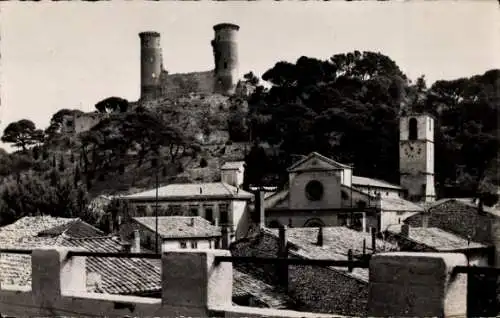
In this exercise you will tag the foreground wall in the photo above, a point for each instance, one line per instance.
(195, 285)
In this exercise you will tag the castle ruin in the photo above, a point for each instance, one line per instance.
(156, 82)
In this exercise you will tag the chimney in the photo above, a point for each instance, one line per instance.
(319, 242)
(136, 245)
(261, 209)
(405, 230)
(425, 219)
(282, 267)
(191, 222)
(226, 238)
(374, 239)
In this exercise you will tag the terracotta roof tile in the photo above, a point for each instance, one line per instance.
(193, 191)
(180, 226)
(371, 182)
(436, 238)
(336, 243)
(119, 275)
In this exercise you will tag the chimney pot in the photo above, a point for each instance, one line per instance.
(137, 242)
(320, 236)
(191, 222)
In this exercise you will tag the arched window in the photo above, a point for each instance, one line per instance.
(413, 130)
(315, 222)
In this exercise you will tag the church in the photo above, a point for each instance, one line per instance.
(323, 192)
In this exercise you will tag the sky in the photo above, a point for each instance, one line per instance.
(58, 55)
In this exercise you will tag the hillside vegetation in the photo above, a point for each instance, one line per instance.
(347, 108)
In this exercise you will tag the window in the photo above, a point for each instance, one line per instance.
(183, 244)
(314, 190)
(413, 129)
(430, 124)
(193, 210)
(387, 193)
(224, 213)
(194, 244)
(175, 209)
(141, 210)
(209, 213)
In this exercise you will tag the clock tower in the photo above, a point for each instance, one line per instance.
(416, 156)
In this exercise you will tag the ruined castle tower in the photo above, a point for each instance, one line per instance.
(416, 156)
(151, 64)
(225, 47)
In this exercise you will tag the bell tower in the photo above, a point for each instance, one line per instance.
(416, 156)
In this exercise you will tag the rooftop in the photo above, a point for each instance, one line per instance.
(180, 226)
(436, 238)
(193, 191)
(465, 201)
(337, 241)
(375, 183)
(233, 165)
(399, 204)
(322, 162)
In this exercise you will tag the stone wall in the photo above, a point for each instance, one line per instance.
(314, 288)
(176, 85)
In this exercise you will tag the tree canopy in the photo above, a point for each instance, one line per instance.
(22, 134)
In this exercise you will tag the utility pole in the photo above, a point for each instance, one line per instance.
(156, 212)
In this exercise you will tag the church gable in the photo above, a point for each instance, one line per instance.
(315, 162)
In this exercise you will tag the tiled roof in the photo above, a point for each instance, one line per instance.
(399, 204)
(336, 243)
(370, 182)
(180, 226)
(233, 165)
(436, 238)
(245, 284)
(193, 191)
(119, 275)
(466, 201)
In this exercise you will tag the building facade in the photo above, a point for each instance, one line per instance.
(323, 192)
(222, 203)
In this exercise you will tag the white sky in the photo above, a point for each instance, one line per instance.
(58, 55)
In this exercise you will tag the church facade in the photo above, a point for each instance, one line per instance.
(323, 192)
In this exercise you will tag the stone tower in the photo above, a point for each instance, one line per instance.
(416, 156)
(225, 48)
(151, 64)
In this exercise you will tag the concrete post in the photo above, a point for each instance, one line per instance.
(417, 285)
(53, 274)
(193, 283)
(495, 236)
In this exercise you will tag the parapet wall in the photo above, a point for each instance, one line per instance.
(195, 284)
